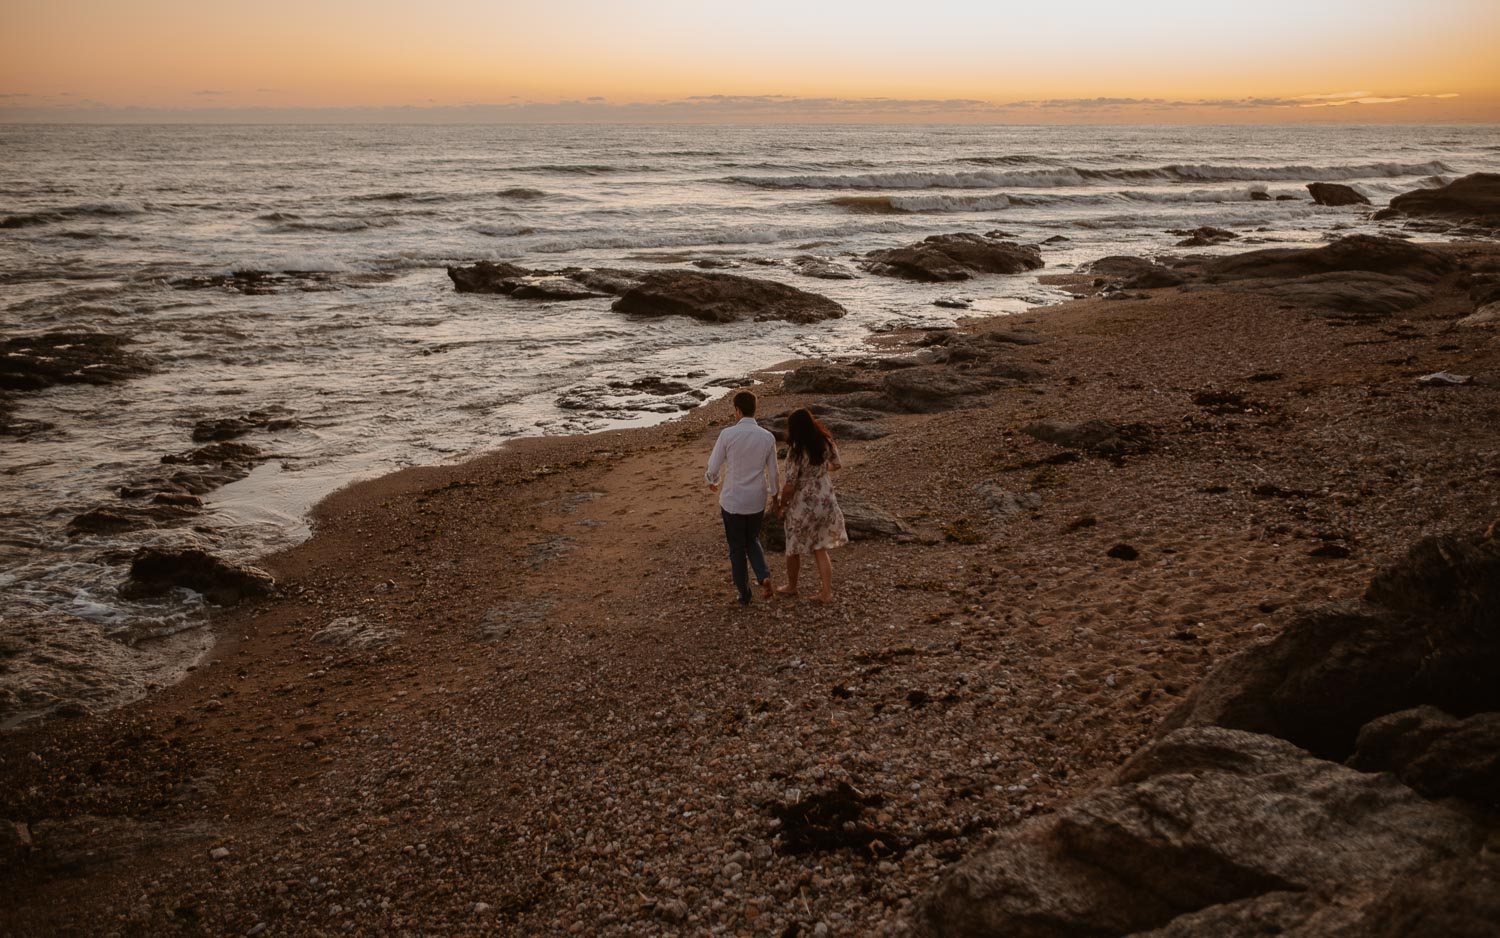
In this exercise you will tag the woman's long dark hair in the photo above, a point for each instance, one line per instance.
(807, 437)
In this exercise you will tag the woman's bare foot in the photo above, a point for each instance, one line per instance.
(786, 591)
(824, 598)
(767, 588)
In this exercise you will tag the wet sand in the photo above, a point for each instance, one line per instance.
(514, 696)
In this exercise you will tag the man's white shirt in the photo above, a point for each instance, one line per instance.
(745, 456)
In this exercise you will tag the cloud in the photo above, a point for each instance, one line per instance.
(716, 108)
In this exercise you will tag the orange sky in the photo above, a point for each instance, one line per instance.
(1211, 60)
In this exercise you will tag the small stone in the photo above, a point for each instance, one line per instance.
(219, 853)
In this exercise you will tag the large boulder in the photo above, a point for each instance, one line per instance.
(30, 363)
(1135, 273)
(714, 297)
(156, 570)
(824, 378)
(1475, 196)
(1436, 754)
(486, 277)
(1370, 253)
(1428, 632)
(1205, 817)
(1351, 292)
(949, 257)
(1336, 194)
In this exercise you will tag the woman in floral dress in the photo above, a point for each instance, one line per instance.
(810, 511)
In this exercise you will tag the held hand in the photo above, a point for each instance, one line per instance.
(713, 487)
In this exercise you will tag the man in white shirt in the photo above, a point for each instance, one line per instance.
(742, 470)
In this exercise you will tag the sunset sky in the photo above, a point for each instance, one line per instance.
(1220, 61)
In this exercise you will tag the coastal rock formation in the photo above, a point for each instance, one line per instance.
(822, 268)
(569, 283)
(212, 429)
(1427, 632)
(1333, 193)
(826, 378)
(1475, 196)
(155, 570)
(1205, 236)
(259, 282)
(953, 257)
(1205, 817)
(1228, 825)
(1485, 317)
(1346, 292)
(1133, 273)
(1366, 253)
(30, 363)
(723, 298)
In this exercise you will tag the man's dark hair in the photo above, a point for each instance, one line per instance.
(745, 401)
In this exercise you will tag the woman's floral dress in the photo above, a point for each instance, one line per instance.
(813, 520)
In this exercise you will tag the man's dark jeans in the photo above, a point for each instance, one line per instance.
(743, 534)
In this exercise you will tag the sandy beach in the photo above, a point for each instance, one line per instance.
(514, 696)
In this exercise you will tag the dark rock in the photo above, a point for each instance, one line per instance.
(831, 820)
(1205, 817)
(611, 281)
(1100, 437)
(1287, 198)
(1206, 236)
(486, 277)
(1475, 196)
(227, 428)
(30, 363)
(1388, 256)
(863, 521)
(555, 288)
(661, 387)
(1006, 505)
(953, 257)
(1257, 195)
(1057, 239)
(1333, 193)
(258, 282)
(1437, 754)
(1330, 552)
(821, 378)
(952, 302)
(117, 519)
(723, 298)
(155, 570)
(1428, 632)
(822, 268)
(1135, 273)
(927, 390)
(714, 263)
(1123, 552)
(1357, 292)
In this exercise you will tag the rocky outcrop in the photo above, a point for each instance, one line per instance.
(1485, 317)
(1133, 273)
(723, 298)
(212, 429)
(1427, 632)
(155, 570)
(1205, 236)
(30, 363)
(1335, 194)
(809, 265)
(1228, 827)
(1347, 292)
(1474, 197)
(569, 283)
(825, 378)
(1366, 253)
(948, 257)
(1206, 817)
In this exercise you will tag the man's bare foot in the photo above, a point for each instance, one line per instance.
(787, 591)
(767, 588)
(824, 598)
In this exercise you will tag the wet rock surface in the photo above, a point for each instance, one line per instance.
(1475, 196)
(259, 282)
(1356, 253)
(953, 257)
(31, 363)
(1335, 194)
(723, 298)
(155, 570)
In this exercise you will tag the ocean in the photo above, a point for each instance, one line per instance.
(371, 362)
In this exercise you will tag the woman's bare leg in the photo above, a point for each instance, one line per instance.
(793, 565)
(825, 574)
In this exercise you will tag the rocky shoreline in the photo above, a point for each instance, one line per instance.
(512, 696)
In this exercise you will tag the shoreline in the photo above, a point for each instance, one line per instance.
(540, 711)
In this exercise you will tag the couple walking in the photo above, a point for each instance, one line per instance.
(743, 471)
